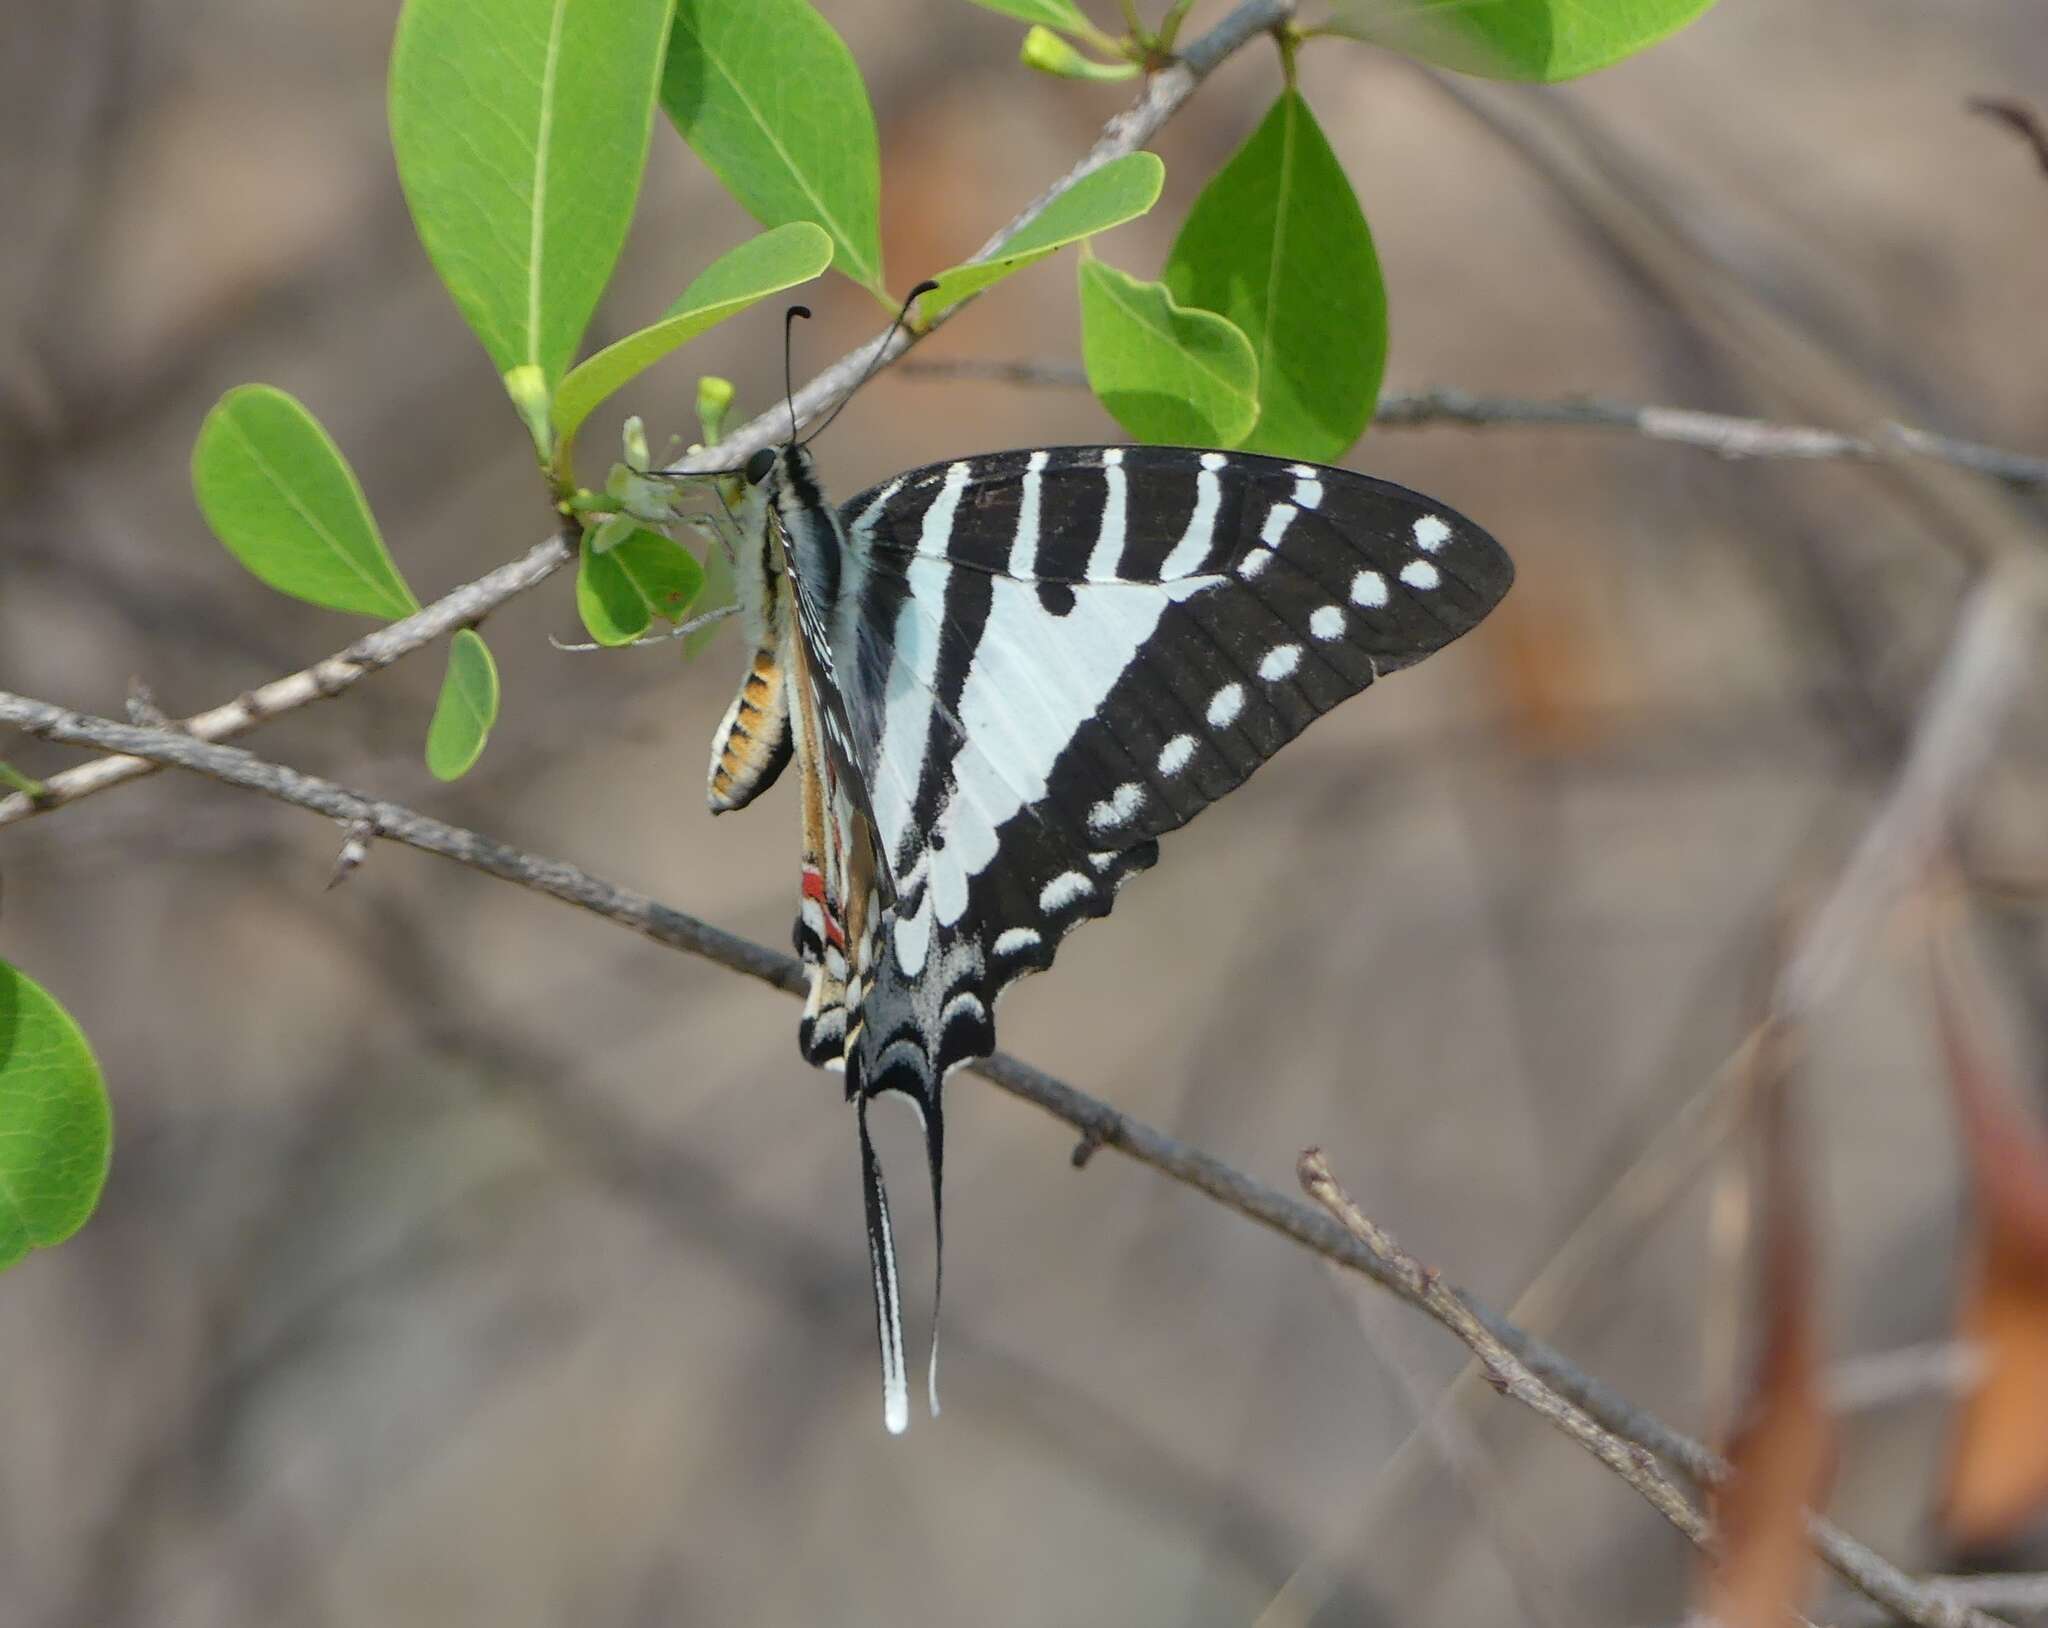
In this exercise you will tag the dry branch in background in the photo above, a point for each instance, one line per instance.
(1727, 434)
(1509, 1376)
(1100, 1124)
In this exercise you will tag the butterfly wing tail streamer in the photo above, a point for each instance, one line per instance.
(919, 1086)
(888, 1301)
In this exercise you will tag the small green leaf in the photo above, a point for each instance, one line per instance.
(1542, 40)
(56, 1130)
(622, 590)
(276, 490)
(467, 709)
(633, 444)
(1048, 53)
(1278, 244)
(1053, 13)
(714, 400)
(1169, 375)
(1121, 190)
(771, 99)
(775, 260)
(521, 130)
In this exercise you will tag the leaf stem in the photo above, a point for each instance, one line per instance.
(34, 790)
(1288, 38)
(1169, 30)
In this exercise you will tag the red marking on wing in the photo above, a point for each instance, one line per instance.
(814, 888)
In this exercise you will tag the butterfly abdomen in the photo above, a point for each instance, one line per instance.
(753, 743)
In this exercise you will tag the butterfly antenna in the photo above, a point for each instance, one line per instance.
(788, 388)
(875, 360)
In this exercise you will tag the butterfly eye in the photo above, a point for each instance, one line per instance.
(759, 466)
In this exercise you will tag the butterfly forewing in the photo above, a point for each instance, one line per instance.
(1105, 640)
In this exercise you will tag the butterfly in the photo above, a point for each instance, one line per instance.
(1002, 679)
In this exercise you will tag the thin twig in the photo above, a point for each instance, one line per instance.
(1507, 1374)
(2008, 1591)
(1979, 682)
(1911, 1373)
(464, 607)
(1100, 1124)
(1721, 433)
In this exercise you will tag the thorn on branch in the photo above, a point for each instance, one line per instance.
(1091, 1143)
(355, 848)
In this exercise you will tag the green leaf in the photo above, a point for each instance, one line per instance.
(56, 1130)
(1544, 40)
(1121, 190)
(521, 130)
(1167, 374)
(775, 260)
(1053, 13)
(1048, 53)
(1278, 244)
(770, 98)
(621, 591)
(276, 490)
(467, 708)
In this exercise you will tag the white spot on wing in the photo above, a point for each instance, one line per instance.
(1431, 533)
(1328, 622)
(1369, 589)
(965, 1001)
(1226, 704)
(1213, 460)
(1421, 574)
(1176, 754)
(1279, 662)
(1308, 485)
(1254, 563)
(1116, 808)
(1063, 890)
(1103, 860)
(1015, 939)
(913, 938)
(1278, 518)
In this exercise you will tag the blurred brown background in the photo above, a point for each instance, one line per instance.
(465, 1260)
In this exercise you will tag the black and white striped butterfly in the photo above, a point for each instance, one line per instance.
(1004, 678)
